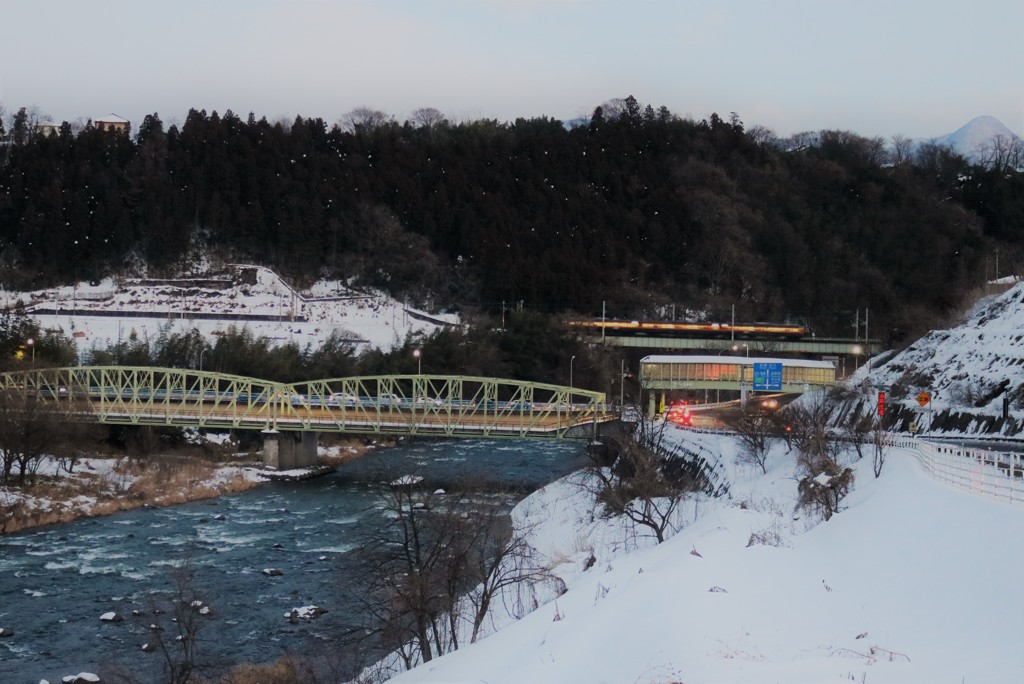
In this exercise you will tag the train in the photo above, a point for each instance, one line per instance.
(744, 331)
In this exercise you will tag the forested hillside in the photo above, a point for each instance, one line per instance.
(638, 208)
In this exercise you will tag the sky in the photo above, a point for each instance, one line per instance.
(875, 67)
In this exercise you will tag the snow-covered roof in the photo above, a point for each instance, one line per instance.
(735, 360)
(111, 118)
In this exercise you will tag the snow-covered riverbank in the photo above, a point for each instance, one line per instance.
(104, 485)
(101, 486)
(909, 583)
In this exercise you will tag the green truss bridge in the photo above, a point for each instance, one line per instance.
(400, 405)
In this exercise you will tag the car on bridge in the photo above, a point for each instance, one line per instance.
(342, 399)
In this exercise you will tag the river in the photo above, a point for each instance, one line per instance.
(55, 582)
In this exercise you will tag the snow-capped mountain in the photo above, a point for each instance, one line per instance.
(974, 139)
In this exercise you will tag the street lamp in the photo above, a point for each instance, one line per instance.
(201, 359)
(418, 353)
(32, 345)
(570, 370)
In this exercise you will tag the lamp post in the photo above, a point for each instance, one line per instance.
(32, 345)
(570, 370)
(201, 359)
(418, 353)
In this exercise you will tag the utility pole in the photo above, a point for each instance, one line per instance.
(732, 328)
(604, 304)
(622, 383)
(867, 349)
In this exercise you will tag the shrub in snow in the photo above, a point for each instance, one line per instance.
(825, 491)
(769, 536)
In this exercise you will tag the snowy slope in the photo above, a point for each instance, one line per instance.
(963, 368)
(911, 583)
(211, 305)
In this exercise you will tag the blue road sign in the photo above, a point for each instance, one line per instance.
(767, 377)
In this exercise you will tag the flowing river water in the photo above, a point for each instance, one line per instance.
(56, 582)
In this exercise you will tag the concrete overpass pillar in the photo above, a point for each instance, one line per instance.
(289, 450)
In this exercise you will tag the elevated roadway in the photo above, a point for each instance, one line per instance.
(808, 345)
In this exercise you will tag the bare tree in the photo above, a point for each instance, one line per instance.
(1002, 153)
(857, 428)
(364, 119)
(30, 427)
(755, 426)
(763, 136)
(501, 559)
(438, 564)
(824, 483)
(646, 481)
(614, 109)
(880, 438)
(902, 149)
(809, 420)
(427, 117)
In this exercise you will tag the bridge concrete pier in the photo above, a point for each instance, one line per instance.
(289, 450)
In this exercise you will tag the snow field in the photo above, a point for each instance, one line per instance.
(913, 581)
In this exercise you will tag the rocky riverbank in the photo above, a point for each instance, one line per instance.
(104, 485)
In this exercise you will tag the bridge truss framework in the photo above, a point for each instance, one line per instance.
(401, 405)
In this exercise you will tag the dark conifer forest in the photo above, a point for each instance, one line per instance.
(636, 210)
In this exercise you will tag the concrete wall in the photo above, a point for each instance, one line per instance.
(289, 450)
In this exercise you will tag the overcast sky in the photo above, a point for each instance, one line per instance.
(875, 67)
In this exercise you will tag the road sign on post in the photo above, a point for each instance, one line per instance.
(923, 398)
(767, 377)
(881, 403)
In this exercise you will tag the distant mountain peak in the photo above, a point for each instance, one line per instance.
(971, 139)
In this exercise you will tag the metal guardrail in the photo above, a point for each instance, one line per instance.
(995, 474)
